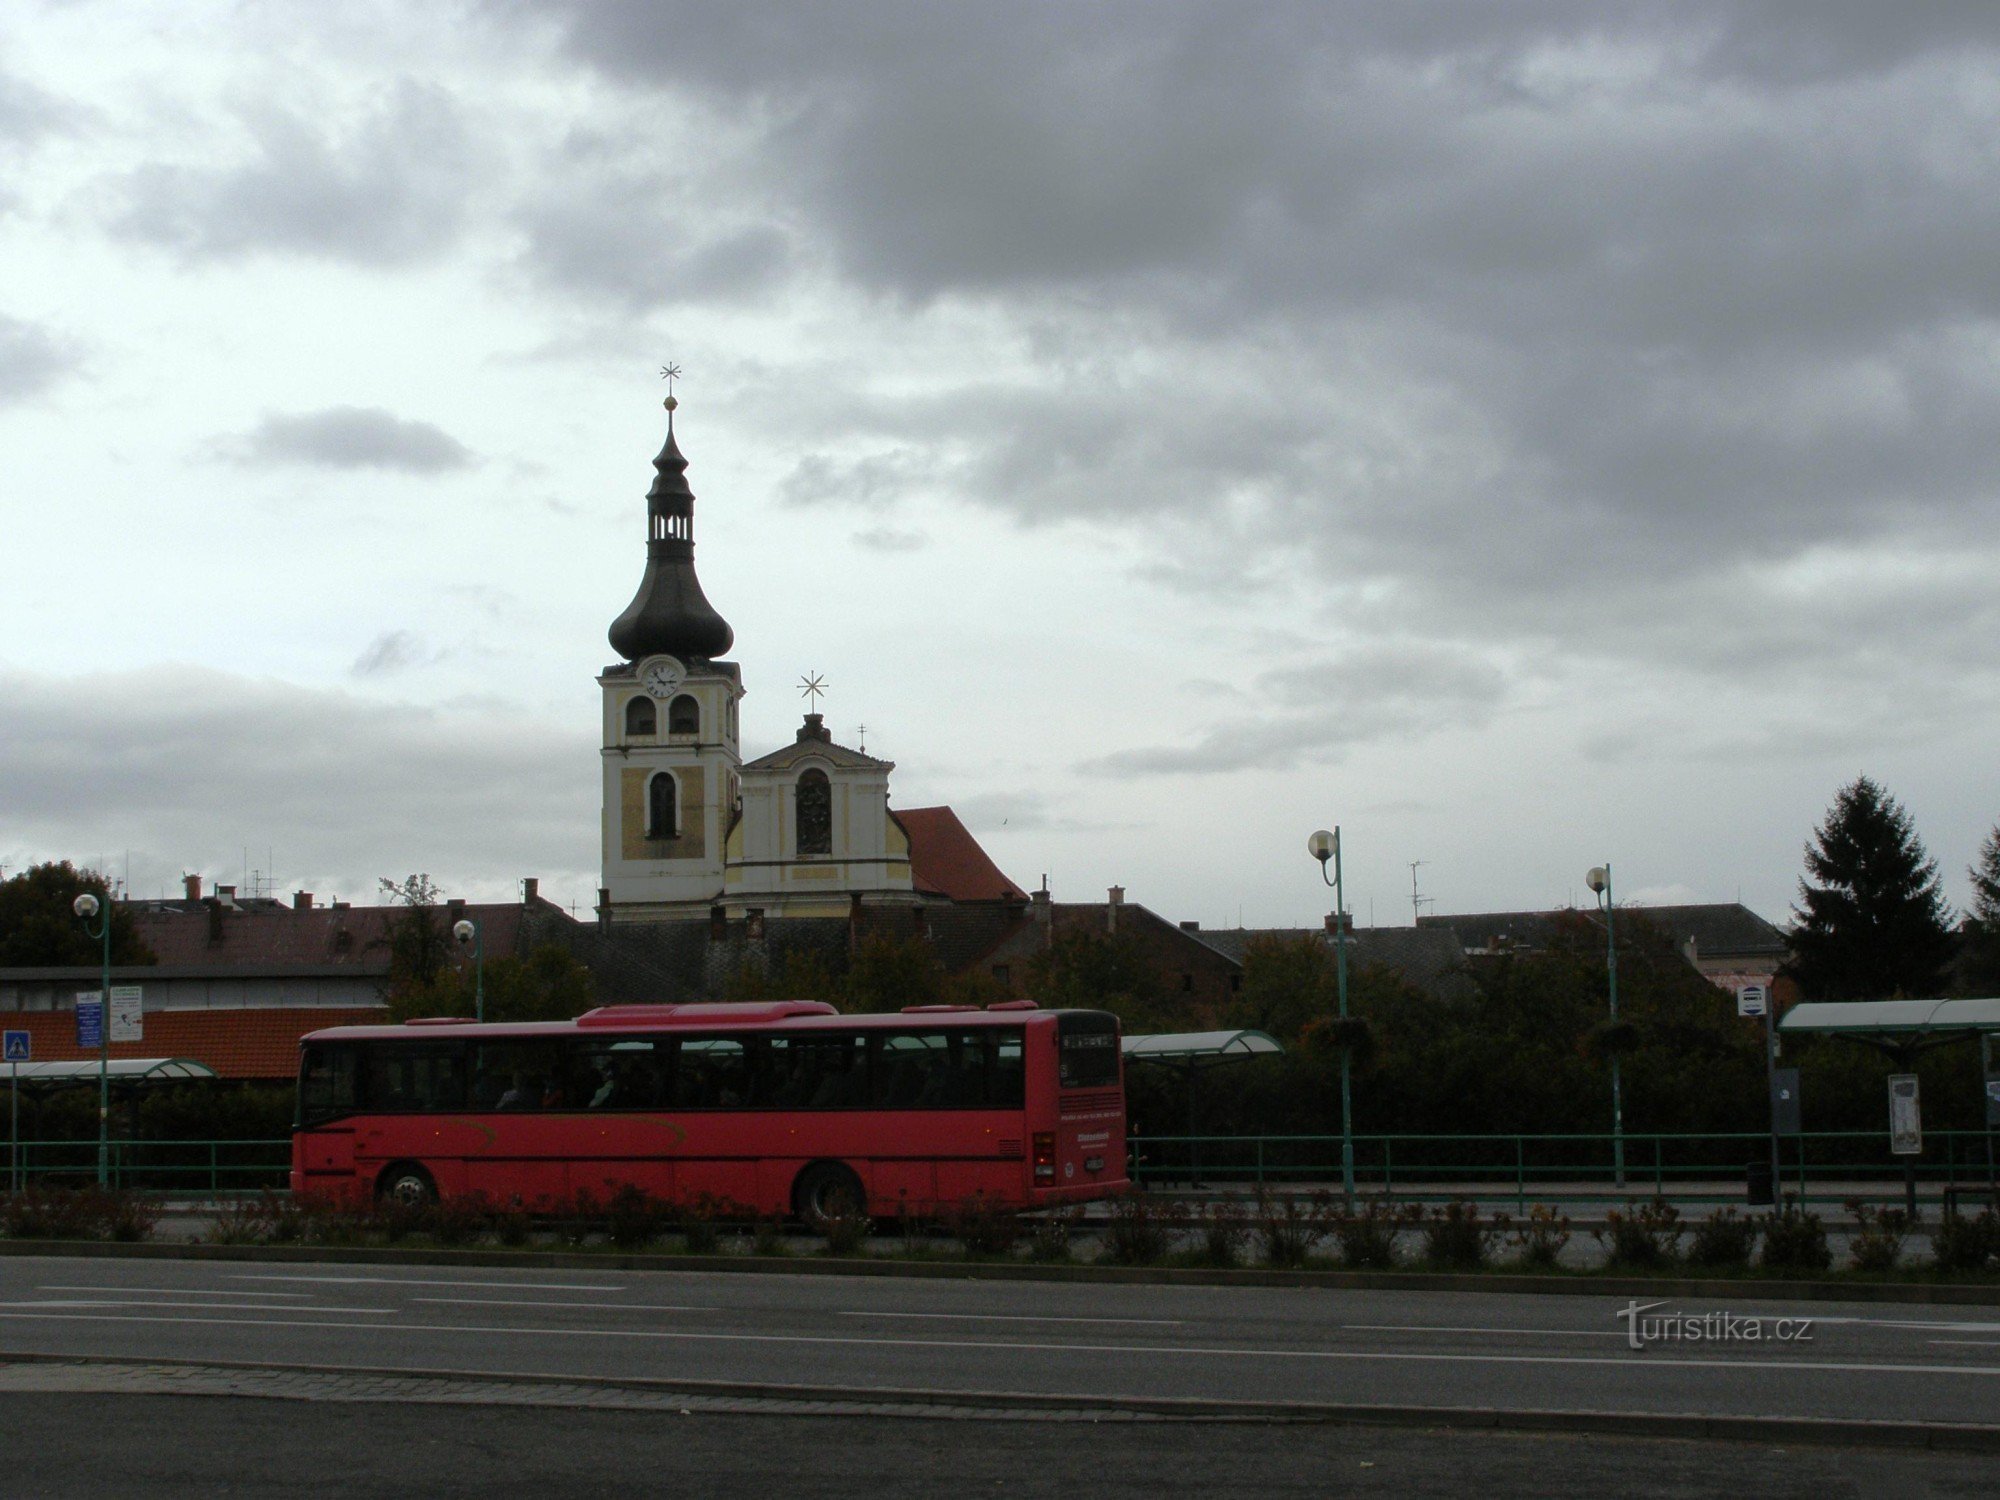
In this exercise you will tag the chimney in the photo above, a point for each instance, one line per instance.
(192, 885)
(226, 895)
(1111, 905)
(1190, 927)
(454, 909)
(531, 890)
(302, 900)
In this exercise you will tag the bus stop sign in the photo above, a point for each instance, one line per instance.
(1906, 1119)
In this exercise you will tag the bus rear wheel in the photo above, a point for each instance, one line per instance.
(827, 1190)
(406, 1184)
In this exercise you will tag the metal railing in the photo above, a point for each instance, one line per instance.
(155, 1166)
(1828, 1165)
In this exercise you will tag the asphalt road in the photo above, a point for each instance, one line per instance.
(1472, 1350)
(71, 1447)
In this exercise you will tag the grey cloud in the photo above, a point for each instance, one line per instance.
(352, 437)
(186, 765)
(31, 360)
(1387, 690)
(27, 113)
(391, 652)
(388, 189)
(889, 539)
(625, 232)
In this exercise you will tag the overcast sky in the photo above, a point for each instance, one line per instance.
(1527, 436)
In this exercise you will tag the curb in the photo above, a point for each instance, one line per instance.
(1818, 1431)
(1745, 1288)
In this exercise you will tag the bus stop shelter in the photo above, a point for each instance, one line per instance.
(1194, 1052)
(1902, 1030)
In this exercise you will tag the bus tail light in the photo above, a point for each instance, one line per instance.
(1045, 1155)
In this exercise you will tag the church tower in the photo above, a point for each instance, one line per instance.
(672, 764)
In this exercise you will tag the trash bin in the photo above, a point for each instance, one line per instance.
(1759, 1188)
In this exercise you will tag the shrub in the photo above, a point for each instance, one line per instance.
(767, 1236)
(1965, 1244)
(982, 1226)
(1644, 1239)
(634, 1218)
(1725, 1238)
(846, 1230)
(1225, 1230)
(576, 1218)
(1367, 1237)
(1879, 1234)
(396, 1219)
(1539, 1239)
(512, 1224)
(243, 1221)
(1049, 1235)
(130, 1217)
(1289, 1229)
(46, 1213)
(1794, 1240)
(460, 1219)
(1141, 1229)
(1456, 1240)
(700, 1218)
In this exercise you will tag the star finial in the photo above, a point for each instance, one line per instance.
(670, 373)
(812, 687)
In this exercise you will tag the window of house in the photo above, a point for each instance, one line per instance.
(640, 717)
(684, 715)
(815, 813)
(662, 813)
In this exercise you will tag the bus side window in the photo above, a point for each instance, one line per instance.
(711, 1073)
(326, 1084)
(1009, 1076)
(414, 1079)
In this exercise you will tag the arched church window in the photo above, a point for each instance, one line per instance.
(662, 815)
(640, 717)
(815, 808)
(684, 715)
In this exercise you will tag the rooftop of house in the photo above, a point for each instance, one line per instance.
(1717, 930)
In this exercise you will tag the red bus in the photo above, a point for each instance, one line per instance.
(788, 1107)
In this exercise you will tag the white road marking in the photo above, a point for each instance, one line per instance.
(1969, 1343)
(1380, 1356)
(525, 1302)
(1567, 1333)
(512, 1286)
(203, 1306)
(1013, 1318)
(172, 1291)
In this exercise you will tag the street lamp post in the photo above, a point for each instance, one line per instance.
(87, 906)
(1599, 881)
(468, 934)
(1324, 846)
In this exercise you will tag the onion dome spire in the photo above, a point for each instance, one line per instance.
(670, 615)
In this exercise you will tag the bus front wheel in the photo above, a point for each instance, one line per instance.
(407, 1184)
(827, 1190)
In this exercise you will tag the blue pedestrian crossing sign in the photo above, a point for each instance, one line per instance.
(20, 1047)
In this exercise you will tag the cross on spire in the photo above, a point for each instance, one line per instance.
(812, 687)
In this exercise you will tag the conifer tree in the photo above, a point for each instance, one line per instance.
(1873, 924)
(1982, 935)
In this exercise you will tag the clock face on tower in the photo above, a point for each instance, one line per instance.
(661, 675)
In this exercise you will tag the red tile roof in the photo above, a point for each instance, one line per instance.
(246, 1043)
(946, 860)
